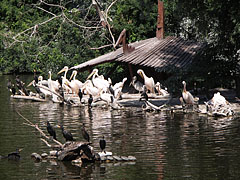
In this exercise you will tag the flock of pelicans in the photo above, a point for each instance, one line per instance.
(97, 88)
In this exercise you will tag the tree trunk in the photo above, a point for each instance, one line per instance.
(237, 81)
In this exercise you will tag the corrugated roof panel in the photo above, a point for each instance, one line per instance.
(164, 54)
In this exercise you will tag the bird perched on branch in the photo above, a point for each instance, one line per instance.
(51, 131)
(67, 135)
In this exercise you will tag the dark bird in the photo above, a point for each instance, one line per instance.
(35, 77)
(20, 86)
(9, 85)
(13, 89)
(67, 135)
(51, 131)
(90, 100)
(85, 134)
(102, 144)
(144, 94)
(14, 155)
(80, 95)
(111, 89)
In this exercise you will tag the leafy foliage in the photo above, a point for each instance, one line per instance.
(47, 35)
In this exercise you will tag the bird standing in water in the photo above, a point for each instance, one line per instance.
(67, 135)
(102, 144)
(85, 134)
(51, 131)
(80, 95)
(90, 100)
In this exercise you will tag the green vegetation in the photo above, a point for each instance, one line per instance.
(47, 35)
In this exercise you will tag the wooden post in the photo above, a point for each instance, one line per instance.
(130, 70)
(160, 21)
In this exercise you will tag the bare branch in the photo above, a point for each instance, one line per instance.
(37, 128)
(101, 47)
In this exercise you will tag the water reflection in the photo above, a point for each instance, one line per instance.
(167, 145)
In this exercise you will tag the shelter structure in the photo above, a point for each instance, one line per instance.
(163, 54)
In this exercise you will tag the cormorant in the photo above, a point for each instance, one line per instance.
(102, 144)
(67, 135)
(9, 85)
(51, 131)
(90, 100)
(13, 89)
(14, 155)
(144, 94)
(85, 134)
(80, 95)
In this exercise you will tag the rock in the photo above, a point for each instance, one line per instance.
(132, 158)
(117, 158)
(77, 162)
(36, 156)
(53, 153)
(44, 155)
(110, 158)
(124, 158)
(103, 158)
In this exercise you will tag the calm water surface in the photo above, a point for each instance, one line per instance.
(166, 145)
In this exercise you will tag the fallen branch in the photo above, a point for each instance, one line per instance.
(29, 123)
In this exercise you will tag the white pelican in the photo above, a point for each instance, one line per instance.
(187, 96)
(42, 82)
(107, 97)
(149, 82)
(161, 91)
(53, 86)
(137, 84)
(65, 81)
(74, 83)
(99, 81)
(90, 89)
(118, 88)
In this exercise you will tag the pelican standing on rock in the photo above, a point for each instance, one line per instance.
(186, 95)
(149, 82)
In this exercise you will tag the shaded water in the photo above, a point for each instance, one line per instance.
(166, 145)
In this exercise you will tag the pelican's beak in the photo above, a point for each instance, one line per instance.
(140, 73)
(131, 83)
(90, 75)
(31, 83)
(63, 69)
(71, 76)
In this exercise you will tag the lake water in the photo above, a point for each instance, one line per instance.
(166, 145)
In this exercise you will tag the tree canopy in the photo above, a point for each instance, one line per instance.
(45, 35)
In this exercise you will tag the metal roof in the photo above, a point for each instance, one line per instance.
(163, 54)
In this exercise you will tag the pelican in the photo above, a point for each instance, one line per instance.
(137, 84)
(160, 91)
(118, 88)
(53, 86)
(90, 89)
(42, 82)
(74, 83)
(149, 82)
(99, 81)
(187, 96)
(65, 81)
(107, 97)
